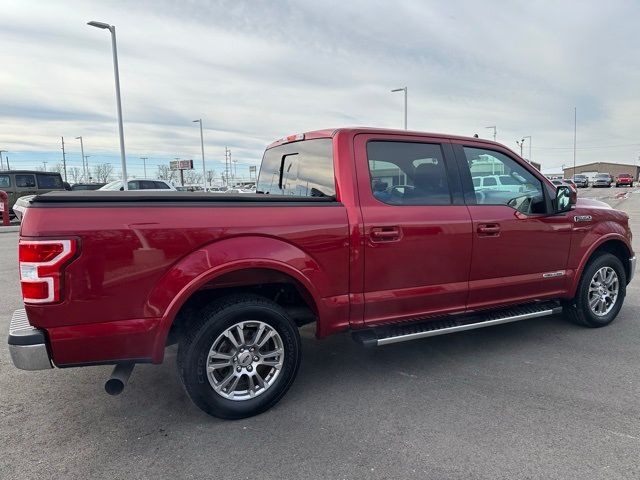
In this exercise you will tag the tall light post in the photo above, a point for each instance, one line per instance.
(112, 30)
(575, 131)
(84, 169)
(520, 144)
(144, 164)
(403, 89)
(204, 172)
(528, 137)
(495, 131)
(1, 162)
(86, 159)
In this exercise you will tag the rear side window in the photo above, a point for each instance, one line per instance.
(49, 181)
(25, 181)
(161, 186)
(299, 169)
(408, 173)
(5, 181)
(147, 185)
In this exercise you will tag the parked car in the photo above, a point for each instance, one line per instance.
(19, 183)
(624, 179)
(139, 184)
(581, 181)
(87, 186)
(602, 180)
(497, 182)
(231, 278)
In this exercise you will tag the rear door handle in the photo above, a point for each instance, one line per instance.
(489, 229)
(384, 234)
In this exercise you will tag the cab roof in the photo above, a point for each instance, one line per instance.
(331, 132)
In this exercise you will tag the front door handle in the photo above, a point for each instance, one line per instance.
(489, 229)
(384, 234)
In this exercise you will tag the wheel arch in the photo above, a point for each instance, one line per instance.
(233, 265)
(616, 245)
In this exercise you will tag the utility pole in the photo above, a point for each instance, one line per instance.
(8, 166)
(235, 167)
(1, 163)
(144, 163)
(44, 162)
(227, 161)
(82, 151)
(64, 161)
(495, 132)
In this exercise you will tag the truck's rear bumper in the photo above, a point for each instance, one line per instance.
(27, 345)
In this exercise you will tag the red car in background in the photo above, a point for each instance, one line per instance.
(624, 179)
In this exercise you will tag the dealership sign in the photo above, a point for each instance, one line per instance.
(181, 164)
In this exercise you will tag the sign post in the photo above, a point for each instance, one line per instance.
(181, 165)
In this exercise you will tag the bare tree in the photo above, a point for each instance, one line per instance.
(102, 172)
(210, 176)
(75, 173)
(165, 173)
(191, 177)
(57, 167)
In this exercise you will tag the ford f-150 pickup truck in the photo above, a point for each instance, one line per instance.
(392, 235)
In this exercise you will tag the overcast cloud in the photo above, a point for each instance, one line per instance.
(256, 71)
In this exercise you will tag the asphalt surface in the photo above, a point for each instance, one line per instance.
(535, 399)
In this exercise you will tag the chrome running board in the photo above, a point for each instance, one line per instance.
(403, 332)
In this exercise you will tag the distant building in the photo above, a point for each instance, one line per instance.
(613, 169)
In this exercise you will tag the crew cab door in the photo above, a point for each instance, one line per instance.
(520, 247)
(417, 230)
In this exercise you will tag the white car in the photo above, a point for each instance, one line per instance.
(504, 183)
(152, 185)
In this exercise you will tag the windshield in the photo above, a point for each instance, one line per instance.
(602, 175)
(299, 168)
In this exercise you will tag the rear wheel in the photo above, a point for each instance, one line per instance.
(600, 293)
(239, 357)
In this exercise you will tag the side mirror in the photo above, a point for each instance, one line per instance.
(566, 198)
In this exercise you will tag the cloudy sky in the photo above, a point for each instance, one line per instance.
(257, 71)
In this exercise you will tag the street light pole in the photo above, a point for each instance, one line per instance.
(86, 159)
(495, 131)
(403, 89)
(1, 162)
(144, 164)
(204, 172)
(575, 130)
(82, 150)
(116, 74)
(529, 138)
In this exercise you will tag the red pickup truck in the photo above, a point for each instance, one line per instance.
(392, 235)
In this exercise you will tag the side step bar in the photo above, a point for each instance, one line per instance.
(402, 332)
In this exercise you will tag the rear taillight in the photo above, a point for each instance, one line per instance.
(41, 265)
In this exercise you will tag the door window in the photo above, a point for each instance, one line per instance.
(408, 173)
(25, 181)
(5, 181)
(161, 185)
(500, 180)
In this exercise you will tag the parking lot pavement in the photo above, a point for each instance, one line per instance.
(536, 399)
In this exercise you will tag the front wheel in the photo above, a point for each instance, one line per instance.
(239, 357)
(600, 293)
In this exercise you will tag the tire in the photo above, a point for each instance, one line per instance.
(248, 395)
(579, 311)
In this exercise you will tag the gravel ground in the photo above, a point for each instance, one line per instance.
(535, 399)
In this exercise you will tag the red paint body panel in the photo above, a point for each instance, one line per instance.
(137, 265)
